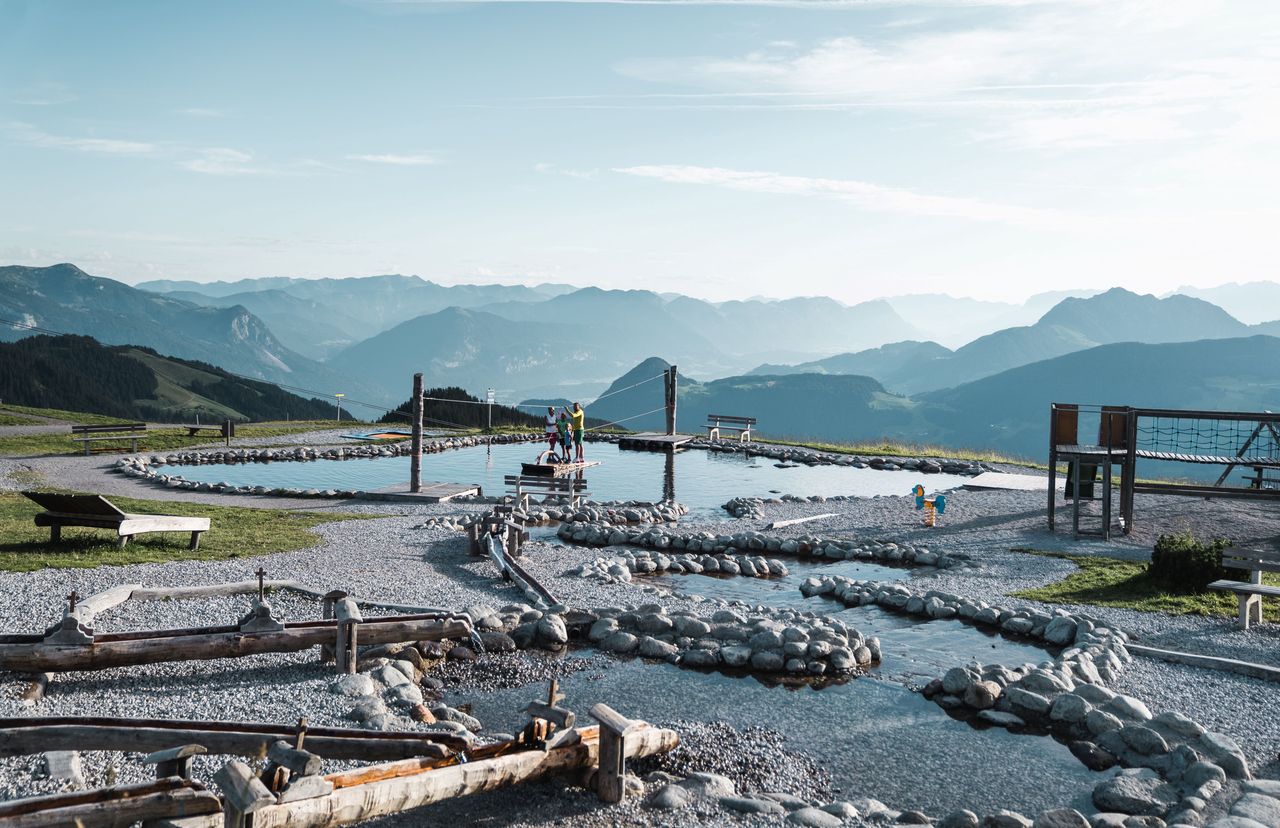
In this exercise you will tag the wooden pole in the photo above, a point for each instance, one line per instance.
(415, 456)
(670, 383)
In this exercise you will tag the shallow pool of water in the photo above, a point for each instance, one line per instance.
(915, 649)
(876, 738)
(700, 479)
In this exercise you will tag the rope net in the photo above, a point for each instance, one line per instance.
(1206, 440)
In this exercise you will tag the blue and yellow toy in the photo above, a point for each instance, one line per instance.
(932, 506)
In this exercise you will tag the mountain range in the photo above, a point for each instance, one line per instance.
(365, 337)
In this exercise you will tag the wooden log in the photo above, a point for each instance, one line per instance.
(25, 736)
(243, 792)
(206, 590)
(125, 651)
(297, 762)
(355, 803)
(174, 761)
(778, 524)
(181, 802)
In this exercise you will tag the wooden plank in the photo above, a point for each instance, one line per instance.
(778, 524)
(1244, 668)
(102, 601)
(73, 504)
(298, 762)
(32, 804)
(181, 802)
(396, 793)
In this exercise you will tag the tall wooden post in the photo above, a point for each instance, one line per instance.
(670, 382)
(415, 457)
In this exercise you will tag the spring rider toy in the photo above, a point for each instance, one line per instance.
(932, 506)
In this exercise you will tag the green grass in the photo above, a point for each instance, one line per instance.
(1107, 582)
(79, 417)
(235, 532)
(14, 419)
(899, 449)
(156, 439)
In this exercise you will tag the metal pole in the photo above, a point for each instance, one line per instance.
(415, 457)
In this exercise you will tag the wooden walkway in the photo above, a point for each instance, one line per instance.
(653, 441)
(430, 493)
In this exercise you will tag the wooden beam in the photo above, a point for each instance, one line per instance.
(24, 736)
(125, 650)
(778, 524)
(124, 805)
(402, 792)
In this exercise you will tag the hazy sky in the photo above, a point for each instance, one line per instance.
(843, 147)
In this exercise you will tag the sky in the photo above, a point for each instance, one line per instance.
(717, 148)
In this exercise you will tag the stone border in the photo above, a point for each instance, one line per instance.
(613, 512)
(620, 568)
(1174, 765)
(145, 466)
(805, 546)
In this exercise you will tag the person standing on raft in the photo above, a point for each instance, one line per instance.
(578, 420)
(566, 437)
(552, 432)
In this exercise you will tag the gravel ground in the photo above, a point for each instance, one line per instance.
(387, 559)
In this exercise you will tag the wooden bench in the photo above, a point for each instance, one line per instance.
(226, 428)
(86, 434)
(741, 425)
(96, 512)
(561, 489)
(1263, 478)
(1249, 593)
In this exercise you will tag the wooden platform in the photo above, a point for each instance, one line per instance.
(653, 441)
(430, 493)
(1014, 482)
(556, 469)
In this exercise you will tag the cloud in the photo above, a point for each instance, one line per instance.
(222, 161)
(28, 134)
(861, 194)
(418, 160)
(1109, 74)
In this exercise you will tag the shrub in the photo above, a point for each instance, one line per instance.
(1182, 562)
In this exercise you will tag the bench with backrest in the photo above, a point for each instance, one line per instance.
(741, 425)
(95, 511)
(1249, 593)
(226, 428)
(88, 434)
(558, 489)
(1263, 478)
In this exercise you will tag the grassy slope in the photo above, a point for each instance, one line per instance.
(157, 439)
(171, 391)
(1108, 582)
(896, 448)
(79, 417)
(235, 532)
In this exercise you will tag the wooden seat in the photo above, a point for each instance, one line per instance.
(1249, 593)
(728, 422)
(99, 433)
(1083, 461)
(227, 429)
(558, 489)
(96, 512)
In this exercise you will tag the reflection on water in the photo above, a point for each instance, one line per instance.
(702, 480)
